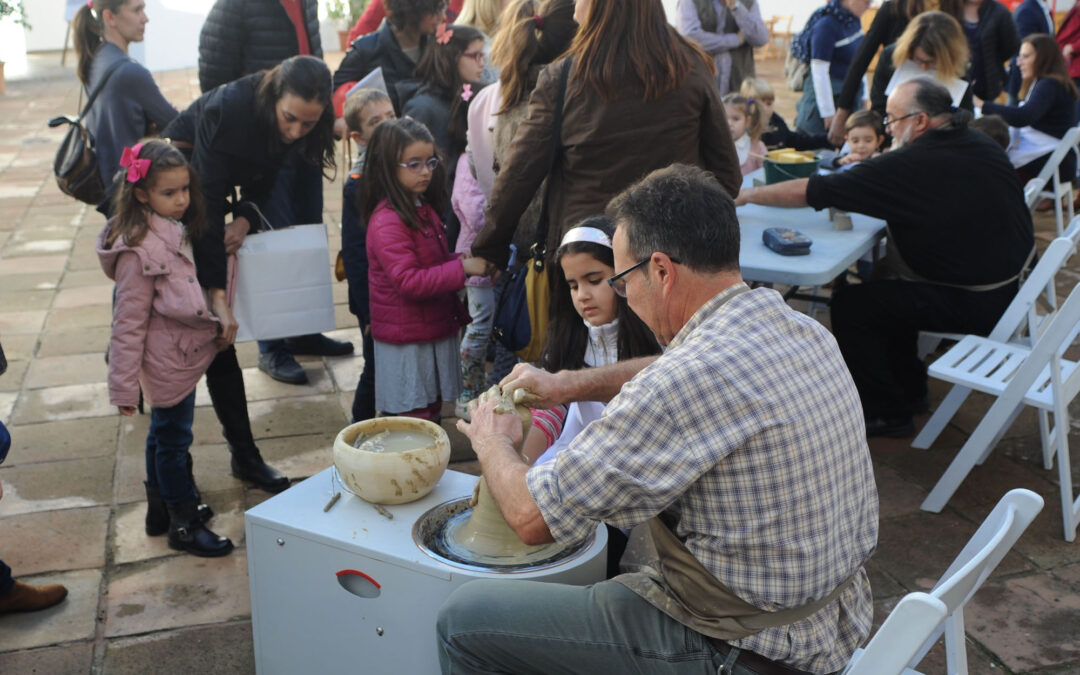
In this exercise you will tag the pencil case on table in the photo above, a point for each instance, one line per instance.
(786, 241)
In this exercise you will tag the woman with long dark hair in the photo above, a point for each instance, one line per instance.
(239, 135)
(449, 75)
(639, 97)
(130, 105)
(1049, 106)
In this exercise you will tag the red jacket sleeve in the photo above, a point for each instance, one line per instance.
(369, 21)
(389, 242)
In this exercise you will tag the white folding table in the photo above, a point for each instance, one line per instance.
(831, 252)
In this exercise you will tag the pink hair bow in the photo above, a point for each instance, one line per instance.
(466, 92)
(137, 168)
(442, 34)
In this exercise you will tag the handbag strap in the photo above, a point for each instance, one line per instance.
(101, 85)
(539, 248)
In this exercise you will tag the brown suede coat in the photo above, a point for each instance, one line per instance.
(606, 146)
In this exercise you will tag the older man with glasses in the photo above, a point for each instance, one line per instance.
(960, 235)
(740, 451)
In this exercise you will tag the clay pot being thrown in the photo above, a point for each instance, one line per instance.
(400, 459)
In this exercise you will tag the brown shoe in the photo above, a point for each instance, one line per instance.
(27, 598)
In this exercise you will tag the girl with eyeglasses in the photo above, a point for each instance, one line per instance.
(449, 75)
(413, 277)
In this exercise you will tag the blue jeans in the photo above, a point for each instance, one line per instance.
(167, 447)
(6, 582)
(474, 345)
(297, 199)
(807, 117)
(363, 405)
(520, 626)
(505, 360)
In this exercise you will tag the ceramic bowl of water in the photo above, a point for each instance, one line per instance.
(391, 460)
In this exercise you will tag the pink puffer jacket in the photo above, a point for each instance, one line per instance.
(413, 279)
(162, 332)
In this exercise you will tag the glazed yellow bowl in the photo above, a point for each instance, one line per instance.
(403, 469)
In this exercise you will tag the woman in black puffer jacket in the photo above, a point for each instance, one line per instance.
(241, 37)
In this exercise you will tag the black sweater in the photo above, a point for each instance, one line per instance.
(378, 50)
(953, 203)
(999, 42)
(231, 149)
(1049, 108)
(241, 37)
(884, 30)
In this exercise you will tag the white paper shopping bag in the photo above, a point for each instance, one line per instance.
(283, 284)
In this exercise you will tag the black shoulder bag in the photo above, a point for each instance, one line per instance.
(75, 165)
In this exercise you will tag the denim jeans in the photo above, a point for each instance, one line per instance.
(297, 199)
(6, 582)
(167, 447)
(474, 345)
(505, 360)
(521, 626)
(363, 405)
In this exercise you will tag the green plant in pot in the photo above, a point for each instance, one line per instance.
(11, 8)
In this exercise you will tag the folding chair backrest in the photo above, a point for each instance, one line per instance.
(997, 534)
(1020, 310)
(911, 623)
(1073, 230)
(1032, 190)
(1068, 144)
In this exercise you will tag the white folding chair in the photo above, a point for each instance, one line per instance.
(1017, 375)
(1032, 191)
(902, 643)
(1050, 178)
(1021, 313)
(911, 623)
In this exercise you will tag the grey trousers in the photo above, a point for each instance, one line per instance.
(520, 627)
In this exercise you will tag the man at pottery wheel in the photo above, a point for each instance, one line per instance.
(740, 451)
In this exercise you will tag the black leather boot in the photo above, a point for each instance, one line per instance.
(157, 516)
(203, 509)
(186, 533)
(230, 403)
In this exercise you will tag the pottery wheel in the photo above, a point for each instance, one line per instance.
(482, 534)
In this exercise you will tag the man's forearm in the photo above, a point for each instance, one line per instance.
(789, 194)
(603, 383)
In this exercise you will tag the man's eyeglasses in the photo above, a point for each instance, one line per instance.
(479, 57)
(418, 166)
(618, 282)
(886, 121)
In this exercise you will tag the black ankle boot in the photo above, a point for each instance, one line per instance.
(157, 516)
(248, 465)
(186, 533)
(230, 403)
(203, 509)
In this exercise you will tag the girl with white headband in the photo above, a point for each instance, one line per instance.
(590, 326)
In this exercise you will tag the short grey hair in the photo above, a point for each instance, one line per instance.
(933, 98)
(681, 211)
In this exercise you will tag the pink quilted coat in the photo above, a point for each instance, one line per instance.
(413, 279)
(162, 331)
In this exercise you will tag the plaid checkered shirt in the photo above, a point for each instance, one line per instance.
(748, 433)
